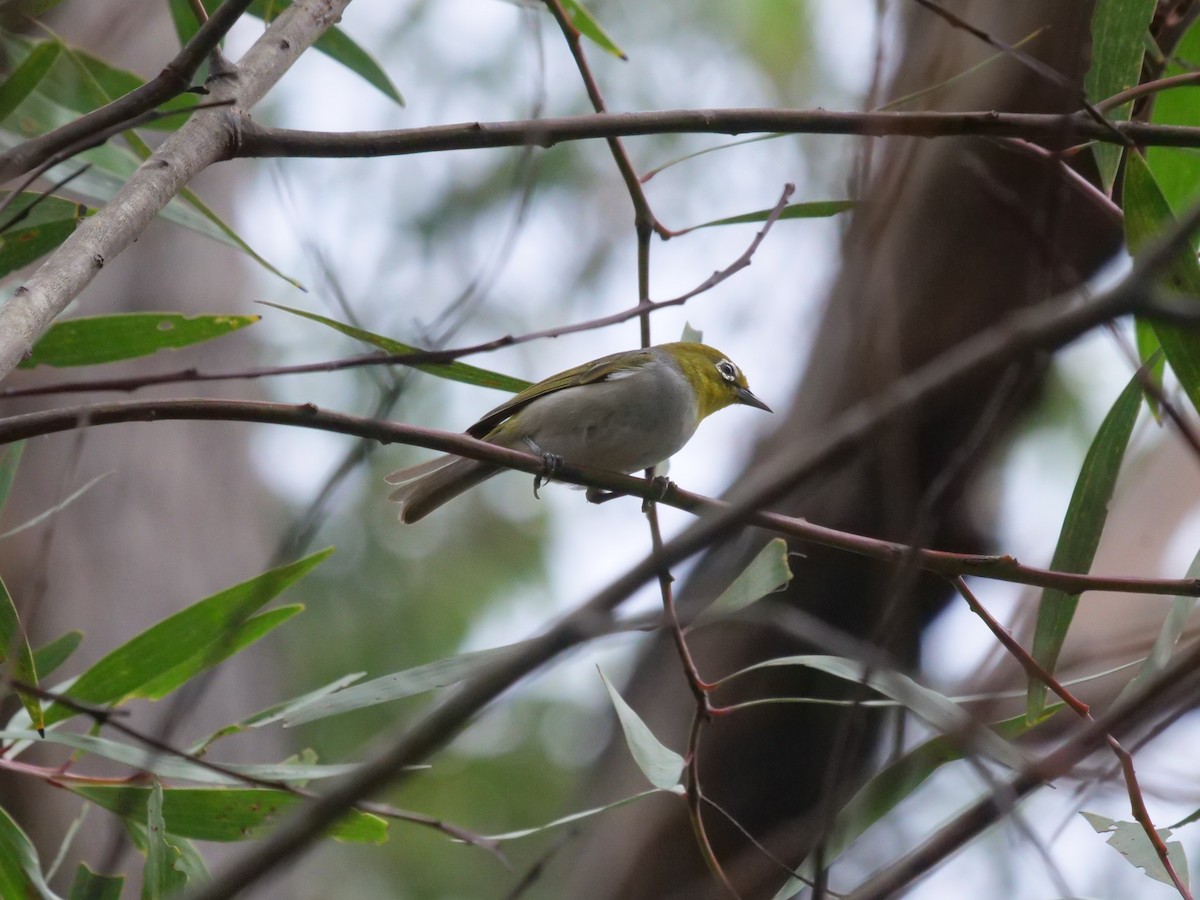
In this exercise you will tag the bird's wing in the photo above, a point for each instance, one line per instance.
(602, 369)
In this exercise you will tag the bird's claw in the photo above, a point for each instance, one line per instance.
(551, 463)
(661, 485)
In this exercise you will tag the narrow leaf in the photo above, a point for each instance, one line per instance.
(14, 650)
(50, 656)
(90, 886)
(1080, 535)
(1148, 215)
(815, 209)
(56, 508)
(90, 340)
(27, 76)
(227, 814)
(1118, 30)
(662, 766)
(160, 878)
(10, 458)
(1168, 637)
(192, 633)
(407, 683)
(767, 573)
(587, 25)
(1130, 840)
(1177, 169)
(20, 872)
(454, 371)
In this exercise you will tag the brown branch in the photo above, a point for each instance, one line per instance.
(173, 80)
(1186, 79)
(942, 562)
(255, 140)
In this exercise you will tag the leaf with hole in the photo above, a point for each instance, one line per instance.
(91, 340)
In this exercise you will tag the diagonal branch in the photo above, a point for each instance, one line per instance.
(206, 138)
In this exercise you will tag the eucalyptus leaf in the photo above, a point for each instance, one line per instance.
(20, 872)
(1130, 840)
(662, 766)
(90, 340)
(90, 886)
(1080, 535)
(15, 653)
(160, 877)
(767, 573)
(33, 225)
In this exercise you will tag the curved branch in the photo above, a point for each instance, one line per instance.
(256, 140)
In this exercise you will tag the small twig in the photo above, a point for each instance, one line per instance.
(1036, 670)
(695, 799)
(1186, 79)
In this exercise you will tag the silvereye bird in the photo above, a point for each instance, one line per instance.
(624, 412)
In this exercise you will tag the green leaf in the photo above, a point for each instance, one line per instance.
(1118, 31)
(21, 83)
(20, 872)
(1080, 535)
(767, 573)
(815, 209)
(226, 814)
(1130, 840)
(150, 760)
(32, 228)
(193, 637)
(276, 713)
(1168, 637)
(1147, 216)
(90, 886)
(160, 878)
(662, 766)
(10, 458)
(575, 817)
(1177, 169)
(50, 656)
(407, 683)
(236, 639)
(586, 24)
(455, 371)
(90, 340)
(14, 650)
(942, 713)
(189, 860)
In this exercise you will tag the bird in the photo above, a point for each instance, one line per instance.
(623, 412)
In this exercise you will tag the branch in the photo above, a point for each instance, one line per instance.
(256, 140)
(207, 137)
(172, 81)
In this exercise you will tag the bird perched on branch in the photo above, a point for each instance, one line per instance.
(624, 412)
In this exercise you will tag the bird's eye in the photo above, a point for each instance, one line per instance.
(727, 369)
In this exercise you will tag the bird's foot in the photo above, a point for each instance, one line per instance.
(551, 463)
(661, 485)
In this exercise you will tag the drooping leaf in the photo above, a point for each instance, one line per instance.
(767, 573)
(662, 766)
(1148, 216)
(17, 657)
(454, 371)
(1118, 45)
(1080, 534)
(90, 340)
(226, 814)
(34, 225)
(20, 872)
(1130, 840)
(50, 656)
(407, 683)
(194, 636)
(27, 75)
(90, 886)
(160, 877)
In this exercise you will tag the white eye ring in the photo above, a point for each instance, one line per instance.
(727, 369)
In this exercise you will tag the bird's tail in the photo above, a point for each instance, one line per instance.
(423, 488)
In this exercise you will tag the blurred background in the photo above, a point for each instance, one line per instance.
(453, 248)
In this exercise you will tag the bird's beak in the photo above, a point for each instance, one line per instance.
(744, 396)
